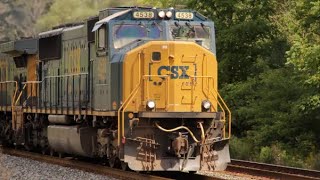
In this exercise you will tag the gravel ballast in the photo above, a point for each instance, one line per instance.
(17, 168)
(12, 168)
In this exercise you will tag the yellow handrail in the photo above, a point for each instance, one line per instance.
(122, 107)
(126, 103)
(229, 113)
(15, 92)
(219, 104)
(125, 107)
(25, 85)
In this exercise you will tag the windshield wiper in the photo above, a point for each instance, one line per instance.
(157, 25)
(119, 28)
(190, 27)
(144, 26)
(205, 30)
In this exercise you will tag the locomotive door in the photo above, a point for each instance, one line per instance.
(156, 68)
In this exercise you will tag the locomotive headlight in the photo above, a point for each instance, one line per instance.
(151, 104)
(169, 14)
(206, 104)
(161, 14)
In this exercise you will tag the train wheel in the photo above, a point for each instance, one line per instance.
(51, 152)
(43, 151)
(124, 166)
(114, 162)
(28, 147)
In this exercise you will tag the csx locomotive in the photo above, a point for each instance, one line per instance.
(134, 87)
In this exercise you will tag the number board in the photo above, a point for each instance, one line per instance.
(184, 15)
(143, 14)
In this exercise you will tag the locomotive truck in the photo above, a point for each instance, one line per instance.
(134, 87)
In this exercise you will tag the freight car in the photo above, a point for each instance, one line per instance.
(134, 87)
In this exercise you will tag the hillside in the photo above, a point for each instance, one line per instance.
(18, 17)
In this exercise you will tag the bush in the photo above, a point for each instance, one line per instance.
(240, 148)
(266, 155)
(276, 154)
(313, 161)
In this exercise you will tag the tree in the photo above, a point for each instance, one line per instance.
(268, 53)
(19, 17)
(304, 35)
(304, 53)
(165, 3)
(244, 35)
(63, 11)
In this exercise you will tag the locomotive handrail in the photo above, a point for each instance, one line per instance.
(223, 107)
(125, 104)
(133, 93)
(40, 82)
(24, 87)
(229, 113)
(15, 92)
(208, 93)
(20, 94)
(48, 77)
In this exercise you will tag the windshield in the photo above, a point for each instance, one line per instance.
(124, 34)
(198, 33)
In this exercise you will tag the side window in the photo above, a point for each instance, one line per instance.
(102, 38)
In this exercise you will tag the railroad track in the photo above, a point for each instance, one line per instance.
(103, 170)
(272, 171)
(238, 166)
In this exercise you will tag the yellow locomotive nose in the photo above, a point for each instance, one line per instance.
(176, 76)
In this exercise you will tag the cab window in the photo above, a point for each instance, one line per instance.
(124, 34)
(102, 38)
(192, 33)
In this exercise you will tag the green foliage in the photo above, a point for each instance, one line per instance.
(17, 18)
(283, 157)
(240, 148)
(304, 53)
(266, 155)
(164, 3)
(244, 37)
(313, 161)
(76, 10)
(268, 53)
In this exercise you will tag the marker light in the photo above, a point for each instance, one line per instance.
(206, 104)
(169, 14)
(161, 14)
(151, 104)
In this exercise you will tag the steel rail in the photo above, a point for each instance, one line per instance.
(103, 170)
(84, 166)
(271, 170)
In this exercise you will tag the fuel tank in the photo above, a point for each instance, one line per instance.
(59, 119)
(72, 139)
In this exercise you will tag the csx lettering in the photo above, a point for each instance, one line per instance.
(174, 71)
